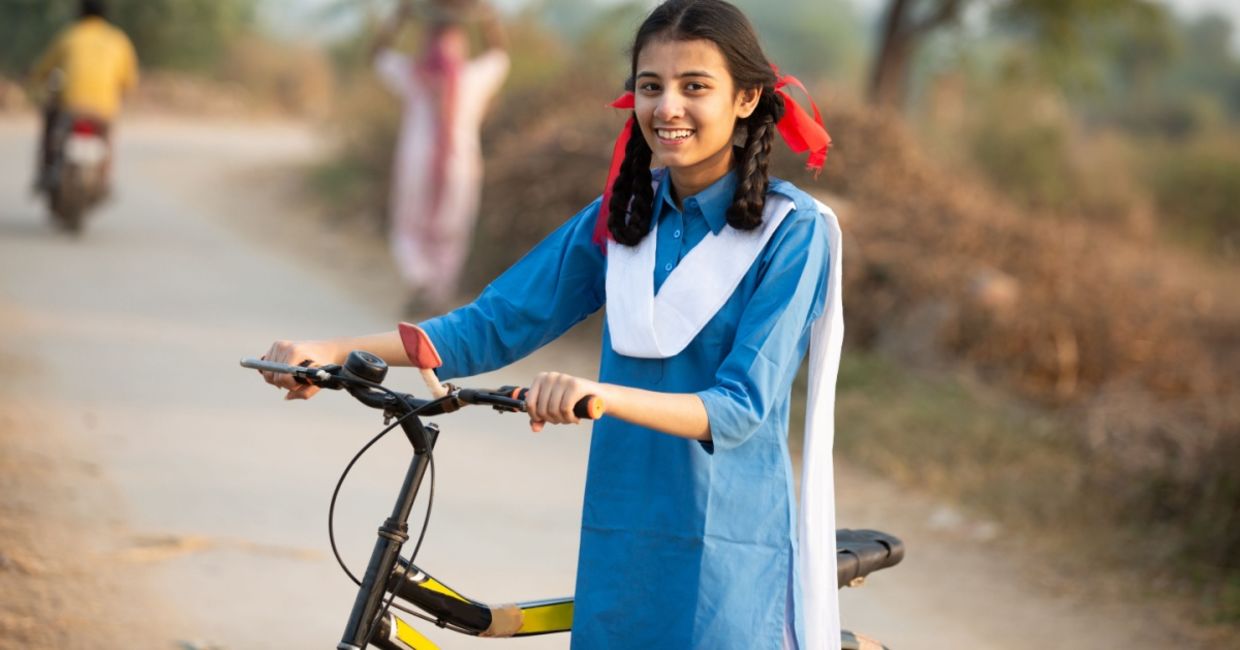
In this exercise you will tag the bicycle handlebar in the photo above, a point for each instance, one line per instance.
(507, 398)
(362, 376)
(304, 373)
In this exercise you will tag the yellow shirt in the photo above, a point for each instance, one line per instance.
(99, 65)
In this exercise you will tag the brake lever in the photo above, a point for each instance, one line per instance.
(327, 376)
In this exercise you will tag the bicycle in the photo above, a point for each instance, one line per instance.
(371, 623)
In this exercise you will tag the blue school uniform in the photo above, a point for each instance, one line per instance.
(683, 544)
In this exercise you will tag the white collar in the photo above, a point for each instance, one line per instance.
(643, 324)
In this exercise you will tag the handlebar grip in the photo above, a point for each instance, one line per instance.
(590, 407)
(303, 373)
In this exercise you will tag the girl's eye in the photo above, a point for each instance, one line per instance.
(695, 86)
(648, 87)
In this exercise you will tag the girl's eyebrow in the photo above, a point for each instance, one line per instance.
(687, 73)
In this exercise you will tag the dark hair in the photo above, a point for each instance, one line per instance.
(93, 8)
(724, 25)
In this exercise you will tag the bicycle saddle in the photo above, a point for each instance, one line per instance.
(859, 553)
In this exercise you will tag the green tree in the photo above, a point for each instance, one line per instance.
(182, 34)
(811, 39)
(1058, 29)
(905, 26)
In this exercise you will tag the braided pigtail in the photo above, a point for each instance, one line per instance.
(632, 196)
(753, 163)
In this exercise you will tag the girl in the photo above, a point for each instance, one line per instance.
(716, 279)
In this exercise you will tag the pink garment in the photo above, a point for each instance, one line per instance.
(437, 175)
(438, 72)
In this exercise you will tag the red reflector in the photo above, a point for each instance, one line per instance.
(85, 127)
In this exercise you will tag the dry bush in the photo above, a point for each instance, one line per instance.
(356, 179)
(1140, 339)
(255, 77)
(295, 79)
(190, 95)
(1197, 187)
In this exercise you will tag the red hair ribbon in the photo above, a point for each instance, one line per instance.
(601, 233)
(800, 132)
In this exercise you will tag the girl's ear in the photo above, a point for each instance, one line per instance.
(747, 101)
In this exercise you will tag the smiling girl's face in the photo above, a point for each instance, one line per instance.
(687, 109)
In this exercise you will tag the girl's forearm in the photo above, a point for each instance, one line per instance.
(386, 346)
(677, 414)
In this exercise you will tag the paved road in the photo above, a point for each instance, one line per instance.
(218, 491)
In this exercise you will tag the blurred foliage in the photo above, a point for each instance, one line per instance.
(1055, 26)
(1067, 35)
(1061, 111)
(180, 34)
(812, 39)
(1028, 158)
(1005, 457)
(1197, 189)
(1140, 68)
(198, 56)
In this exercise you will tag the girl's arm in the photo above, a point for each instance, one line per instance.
(387, 346)
(552, 397)
(551, 289)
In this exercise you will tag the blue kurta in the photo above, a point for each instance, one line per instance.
(683, 544)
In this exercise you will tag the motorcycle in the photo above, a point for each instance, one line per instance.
(76, 173)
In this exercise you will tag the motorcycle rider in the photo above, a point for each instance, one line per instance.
(98, 66)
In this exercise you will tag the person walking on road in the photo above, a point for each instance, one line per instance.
(437, 169)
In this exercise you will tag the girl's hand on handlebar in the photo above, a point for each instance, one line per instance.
(311, 353)
(552, 396)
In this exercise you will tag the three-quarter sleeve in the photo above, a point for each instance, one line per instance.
(555, 286)
(757, 373)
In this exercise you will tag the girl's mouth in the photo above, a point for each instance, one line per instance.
(673, 136)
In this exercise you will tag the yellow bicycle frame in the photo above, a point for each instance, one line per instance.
(453, 610)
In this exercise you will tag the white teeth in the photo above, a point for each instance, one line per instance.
(674, 134)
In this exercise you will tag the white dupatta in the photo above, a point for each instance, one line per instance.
(645, 325)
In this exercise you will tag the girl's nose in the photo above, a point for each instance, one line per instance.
(669, 108)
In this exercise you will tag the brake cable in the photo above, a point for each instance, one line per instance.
(430, 502)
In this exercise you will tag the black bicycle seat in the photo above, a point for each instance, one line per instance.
(859, 553)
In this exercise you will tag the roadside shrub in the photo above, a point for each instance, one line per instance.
(1020, 144)
(1197, 189)
(354, 182)
(1026, 143)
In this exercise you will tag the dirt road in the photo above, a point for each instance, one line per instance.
(155, 493)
